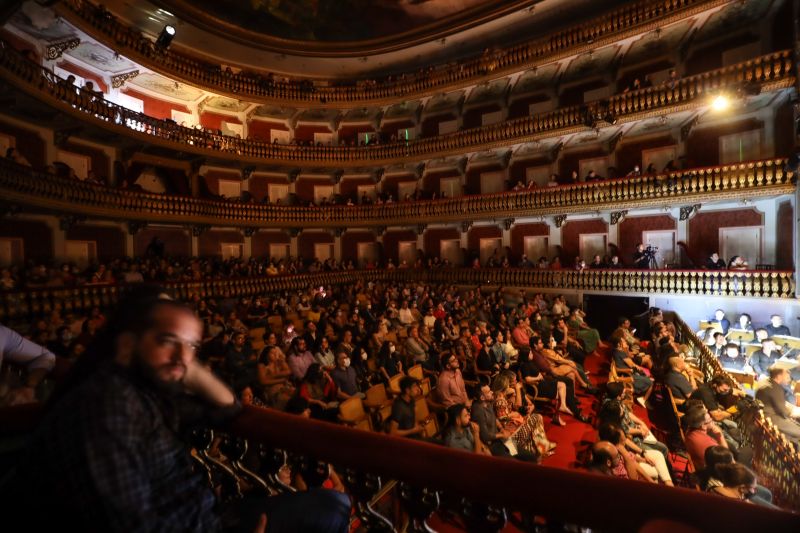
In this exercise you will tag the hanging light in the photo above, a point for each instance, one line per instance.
(165, 37)
(720, 103)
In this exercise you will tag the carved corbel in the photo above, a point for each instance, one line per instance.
(380, 230)
(688, 211)
(135, 226)
(612, 143)
(68, 221)
(293, 174)
(55, 50)
(247, 172)
(294, 232)
(559, 220)
(617, 216)
(465, 225)
(420, 229)
(337, 232)
(419, 170)
(377, 174)
(555, 151)
(200, 229)
(61, 137)
(686, 129)
(249, 232)
(508, 223)
(118, 80)
(336, 176)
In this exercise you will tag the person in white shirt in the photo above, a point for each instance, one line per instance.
(405, 316)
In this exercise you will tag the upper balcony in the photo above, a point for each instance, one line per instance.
(767, 73)
(625, 22)
(25, 187)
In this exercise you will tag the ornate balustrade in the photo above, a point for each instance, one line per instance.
(753, 284)
(768, 72)
(621, 23)
(774, 457)
(23, 186)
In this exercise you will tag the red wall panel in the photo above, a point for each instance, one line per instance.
(630, 154)
(473, 118)
(304, 187)
(630, 232)
(350, 240)
(472, 179)
(350, 132)
(430, 181)
(307, 240)
(260, 129)
(153, 107)
(214, 120)
(517, 170)
(570, 236)
(434, 236)
(305, 132)
(704, 230)
(100, 162)
(177, 242)
(520, 231)
(261, 240)
(391, 240)
(349, 187)
(702, 147)
(476, 233)
(784, 241)
(37, 238)
(521, 108)
(430, 126)
(389, 185)
(110, 241)
(86, 74)
(208, 244)
(391, 127)
(213, 177)
(570, 162)
(28, 143)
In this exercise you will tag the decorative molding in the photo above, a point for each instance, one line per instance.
(686, 129)
(420, 229)
(249, 232)
(61, 137)
(380, 230)
(336, 176)
(55, 50)
(559, 220)
(617, 216)
(465, 225)
(611, 144)
(68, 221)
(377, 174)
(199, 229)
(337, 232)
(118, 80)
(508, 223)
(688, 211)
(294, 232)
(247, 172)
(293, 174)
(135, 226)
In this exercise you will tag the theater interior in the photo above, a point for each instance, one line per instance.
(372, 212)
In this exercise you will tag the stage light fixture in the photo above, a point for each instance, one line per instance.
(165, 37)
(720, 103)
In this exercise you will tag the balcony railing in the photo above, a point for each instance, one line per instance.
(621, 23)
(768, 72)
(30, 303)
(23, 186)
(774, 458)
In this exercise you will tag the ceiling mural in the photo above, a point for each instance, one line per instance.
(319, 115)
(444, 101)
(101, 58)
(405, 109)
(226, 104)
(489, 92)
(590, 63)
(330, 20)
(734, 16)
(537, 147)
(658, 43)
(161, 85)
(537, 78)
(41, 23)
(361, 114)
(272, 111)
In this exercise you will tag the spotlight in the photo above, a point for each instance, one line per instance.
(165, 37)
(720, 103)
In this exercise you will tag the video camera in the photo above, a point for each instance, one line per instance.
(650, 251)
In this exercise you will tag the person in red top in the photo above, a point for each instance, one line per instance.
(320, 392)
(702, 433)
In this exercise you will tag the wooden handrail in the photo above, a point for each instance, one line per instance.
(24, 304)
(768, 72)
(774, 459)
(623, 22)
(24, 186)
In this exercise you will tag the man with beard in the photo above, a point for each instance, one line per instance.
(109, 453)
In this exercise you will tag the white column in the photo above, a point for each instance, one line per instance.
(337, 248)
(247, 248)
(128, 242)
(293, 246)
(195, 246)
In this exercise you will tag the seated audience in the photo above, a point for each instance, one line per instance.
(773, 396)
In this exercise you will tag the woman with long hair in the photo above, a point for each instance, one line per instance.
(515, 413)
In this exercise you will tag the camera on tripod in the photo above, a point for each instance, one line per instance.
(650, 252)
